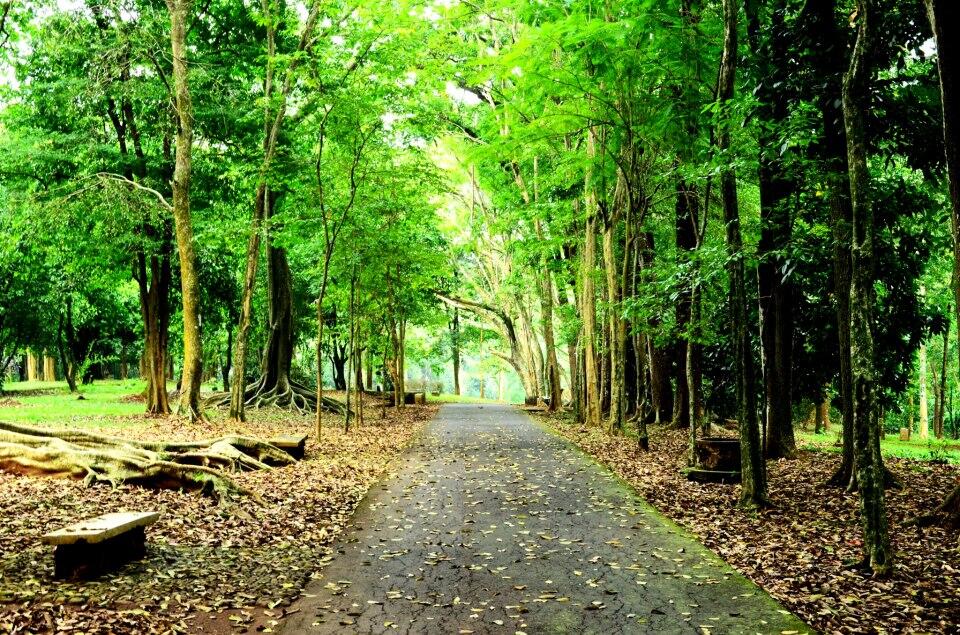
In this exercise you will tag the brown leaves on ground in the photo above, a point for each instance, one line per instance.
(209, 568)
(798, 550)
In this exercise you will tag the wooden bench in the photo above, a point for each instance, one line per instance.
(90, 547)
(293, 444)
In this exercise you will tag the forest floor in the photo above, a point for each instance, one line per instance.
(209, 568)
(799, 550)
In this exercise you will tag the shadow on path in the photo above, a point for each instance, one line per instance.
(489, 524)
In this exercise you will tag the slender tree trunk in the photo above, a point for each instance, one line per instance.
(455, 345)
(615, 328)
(687, 216)
(588, 294)
(942, 384)
(878, 555)
(661, 392)
(753, 488)
(922, 382)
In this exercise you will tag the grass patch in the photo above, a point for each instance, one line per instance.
(105, 403)
(930, 450)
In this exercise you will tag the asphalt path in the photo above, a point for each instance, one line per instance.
(491, 524)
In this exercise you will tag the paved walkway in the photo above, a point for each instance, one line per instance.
(493, 525)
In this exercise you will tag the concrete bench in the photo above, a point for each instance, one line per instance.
(90, 547)
(293, 444)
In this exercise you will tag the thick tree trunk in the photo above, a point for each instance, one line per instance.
(870, 473)
(941, 14)
(32, 364)
(827, 43)
(155, 312)
(770, 44)
(190, 285)
(274, 116)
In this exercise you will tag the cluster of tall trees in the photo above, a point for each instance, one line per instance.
(719, 209)
(221, 190)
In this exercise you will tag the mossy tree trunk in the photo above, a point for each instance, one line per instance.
(192, 370)
(878, 555)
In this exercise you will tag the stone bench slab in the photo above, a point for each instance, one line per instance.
(101, 528)
(293, 444)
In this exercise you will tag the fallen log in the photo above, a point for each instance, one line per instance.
(194, 465)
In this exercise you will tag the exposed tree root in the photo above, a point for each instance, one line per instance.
(288, 395)
(196, 465)
(946, 514)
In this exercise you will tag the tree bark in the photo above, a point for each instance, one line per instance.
(614, 326)
(661, 391)
(588, 294)
(938, 416)
(878, 555)
(941, 14)
(455, 349)
(770, 44)
(192, 370)
(753, 487)
(924, 432)
(272, 125)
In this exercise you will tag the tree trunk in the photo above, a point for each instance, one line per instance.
(615, 327)
(924, 406)
(870, 473)
(225, 368)
(192, 370)
(941, 14)
(274, 116)
(687, 215)
(588, 294)
(49, 368)
(753, 488)
(155, 312)
(455, 346)
(942, 384)
(32, 364)
(770, 45)
(661, 392)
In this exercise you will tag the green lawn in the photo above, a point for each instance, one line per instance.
(891, 445)
(39, 403)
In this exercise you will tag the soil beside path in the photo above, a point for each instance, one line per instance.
(492, 525)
